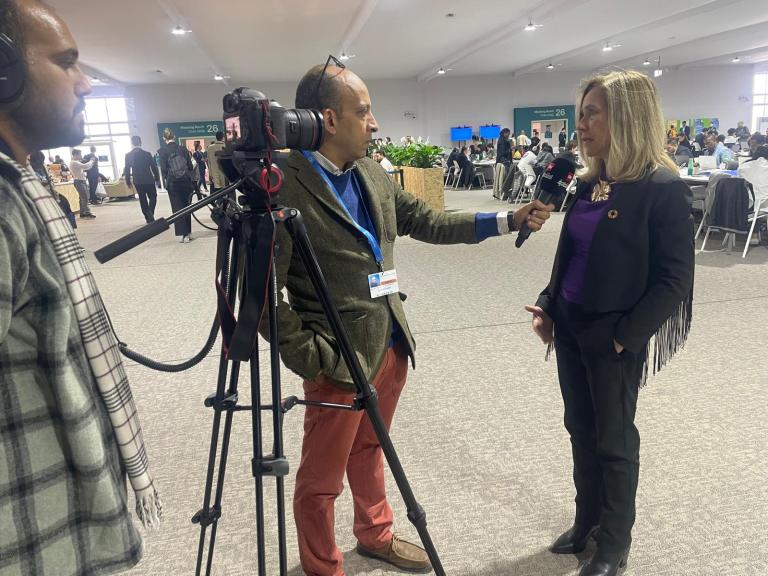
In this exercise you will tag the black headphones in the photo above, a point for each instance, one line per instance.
(12, 74)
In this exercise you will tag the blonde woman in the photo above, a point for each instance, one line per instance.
(622, 274)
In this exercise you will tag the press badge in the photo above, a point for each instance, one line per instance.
(383, 283)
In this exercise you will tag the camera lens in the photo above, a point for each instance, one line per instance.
(303, 129)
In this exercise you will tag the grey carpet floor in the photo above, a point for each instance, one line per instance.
(479, 427)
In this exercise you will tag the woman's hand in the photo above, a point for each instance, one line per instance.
(618, 347)
(542, 324)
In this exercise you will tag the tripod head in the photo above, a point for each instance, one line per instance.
(260, 179)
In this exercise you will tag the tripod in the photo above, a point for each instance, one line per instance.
(246, 274)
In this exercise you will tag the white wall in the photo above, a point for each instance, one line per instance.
(723, 92)
(472, 100)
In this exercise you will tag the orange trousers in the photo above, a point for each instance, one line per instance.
(336, 441)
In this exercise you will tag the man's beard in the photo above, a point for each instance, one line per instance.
(42, 126)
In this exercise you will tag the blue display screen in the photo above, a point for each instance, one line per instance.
(490, 132)
(461, 133)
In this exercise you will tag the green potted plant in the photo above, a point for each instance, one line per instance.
(421, 164)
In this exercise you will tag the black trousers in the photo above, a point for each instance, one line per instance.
(599, 389)
(180, 194)
(93, 182)
(147, 199)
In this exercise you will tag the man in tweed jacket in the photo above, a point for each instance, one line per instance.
(63, 501)
(353, 212)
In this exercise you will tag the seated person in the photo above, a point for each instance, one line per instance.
(731, 139)
(716, 148)
(467, 168)
(526, 167)
(545, 156)
(570, 152)
(754, 142)
(378, 155)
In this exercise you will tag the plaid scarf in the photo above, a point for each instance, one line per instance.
(100, 346)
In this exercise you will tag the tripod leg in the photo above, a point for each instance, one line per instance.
(258, 456)
(365, 396)
(277, 420)
(207, 515)
(231, 392)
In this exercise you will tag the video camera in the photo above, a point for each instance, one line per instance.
(256, 125)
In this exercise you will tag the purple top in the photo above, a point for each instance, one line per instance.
(581, 226)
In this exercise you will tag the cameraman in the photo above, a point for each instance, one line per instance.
(354, 213)
(68, 425)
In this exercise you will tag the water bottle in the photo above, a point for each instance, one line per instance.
(690, 166)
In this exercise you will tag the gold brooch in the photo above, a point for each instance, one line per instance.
(601, 191)
(613, 214)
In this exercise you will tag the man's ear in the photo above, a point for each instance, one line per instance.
(330, 119)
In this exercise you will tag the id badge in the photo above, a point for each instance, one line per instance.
(383, 283)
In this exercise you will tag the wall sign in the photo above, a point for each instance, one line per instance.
(201, 129)
(540, 117)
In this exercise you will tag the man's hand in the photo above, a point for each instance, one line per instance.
(542, 324)
(534, 213)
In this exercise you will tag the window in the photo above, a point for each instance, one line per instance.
(106, 121)
(107, 128)
(760, 103)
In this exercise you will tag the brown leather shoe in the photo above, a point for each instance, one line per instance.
(400, 553)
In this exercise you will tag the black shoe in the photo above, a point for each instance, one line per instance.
(606, 564)
(574, 540)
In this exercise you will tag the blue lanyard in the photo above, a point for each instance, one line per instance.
(374, 244)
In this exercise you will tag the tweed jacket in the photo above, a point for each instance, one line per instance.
(63, 501)
(641, 263)
(307, 345)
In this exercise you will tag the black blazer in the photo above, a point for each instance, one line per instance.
(641, 261)
(140, 168)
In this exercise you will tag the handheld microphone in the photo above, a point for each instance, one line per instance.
(550, 189)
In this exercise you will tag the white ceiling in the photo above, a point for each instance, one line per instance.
(278, 40)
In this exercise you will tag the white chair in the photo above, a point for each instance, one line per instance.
(480, 176)
(760, 211)
(457, 171)
(450, 175)
(729, 241)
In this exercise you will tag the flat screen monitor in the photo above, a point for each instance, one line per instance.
(461, 133)
(490, 132)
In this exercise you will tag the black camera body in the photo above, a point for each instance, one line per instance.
(256, 125)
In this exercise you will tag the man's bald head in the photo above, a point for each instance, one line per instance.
(332, 87)
(343, 100)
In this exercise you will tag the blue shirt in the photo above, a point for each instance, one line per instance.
(722, 154)
(348, 186)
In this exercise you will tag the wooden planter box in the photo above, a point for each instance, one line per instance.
(427, 184)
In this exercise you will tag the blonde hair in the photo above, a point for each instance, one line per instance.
(168, 134)
(636, 127)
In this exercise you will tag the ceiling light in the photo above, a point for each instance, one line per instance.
(531, 26)
(646, 62)
(550, 66)
(735, 59)
(658, 72)
(607, 48)
(344, 56)
(179, 31)
(441, 71)
(220, 77)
